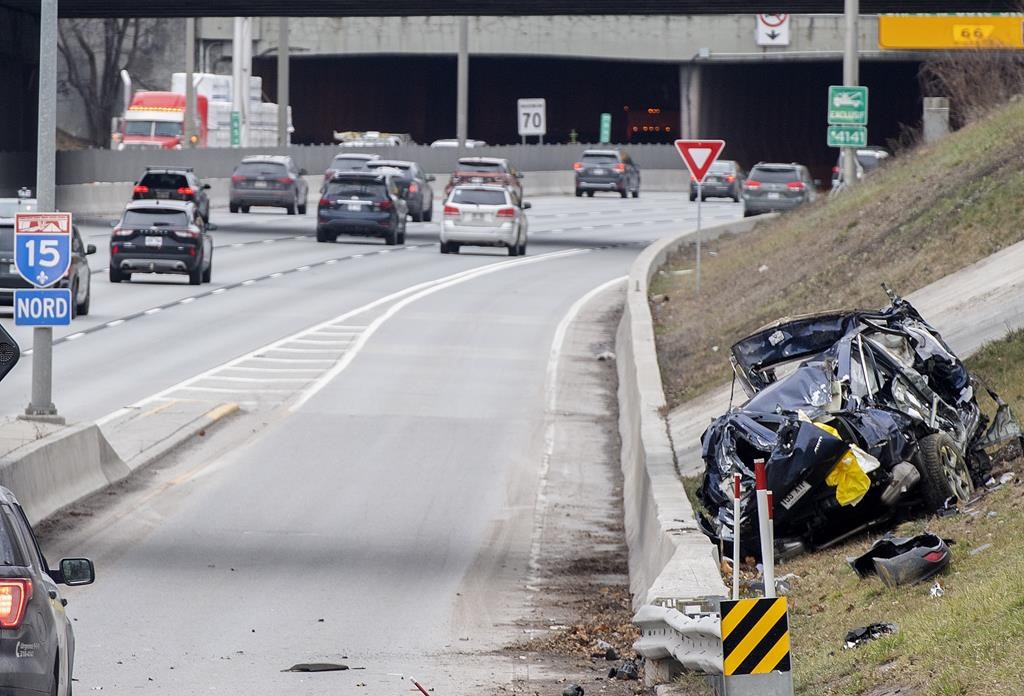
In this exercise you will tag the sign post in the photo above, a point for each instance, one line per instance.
(42, 255)
(532, 118)
(699, 155)
(606, 129)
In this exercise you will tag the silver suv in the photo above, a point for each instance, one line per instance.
(773, 186)
(270, 180)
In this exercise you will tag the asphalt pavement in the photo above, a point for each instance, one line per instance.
(375, 498)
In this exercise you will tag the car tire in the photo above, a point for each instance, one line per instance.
(74, 300)
(444, 248)
(522, 248)
(208, 273)
(429, 215)
(232, 207)
(195, 277)
(693, 197)
(245, 209)
(579, 193)
(321, 234)
(513, 250)
(590, 194)
(292, 207)
(636, 192)
(391, 238)
(624, 193)
(117, 276)
(83, 309)
(302, 209)
(944, 472)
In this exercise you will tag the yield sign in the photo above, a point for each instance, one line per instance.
(699, 155)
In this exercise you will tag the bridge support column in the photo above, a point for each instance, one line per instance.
(282, 82)
(462, 84)
(689, 100)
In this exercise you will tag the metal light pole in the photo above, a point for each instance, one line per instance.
(41, 407)
(282, 81)
(851, 78)
(462, 78)
(190, 88)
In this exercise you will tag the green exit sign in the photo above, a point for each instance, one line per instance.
(847, 136)
(606, 129)
(847, 106)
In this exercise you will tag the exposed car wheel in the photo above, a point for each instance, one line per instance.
(195, 277)
(83, 309)
(736, 199)
(232, 207)
(117, 276)
(944, 472)
(208, 273)
(590, 194)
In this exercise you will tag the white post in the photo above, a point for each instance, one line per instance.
(736, 478)
(851, 78)
(700, 197)
(764, 528)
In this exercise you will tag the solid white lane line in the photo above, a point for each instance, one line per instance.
(551, 407)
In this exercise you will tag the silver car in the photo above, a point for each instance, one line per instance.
(270, 180)
(484, 216)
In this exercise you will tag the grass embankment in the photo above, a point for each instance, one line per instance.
(927, 214)
(966, 642)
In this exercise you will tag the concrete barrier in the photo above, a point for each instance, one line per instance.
(670, 559)
(64, 466)
(109, 198)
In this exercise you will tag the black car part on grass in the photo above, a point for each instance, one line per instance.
(858, 415)
(903, 560)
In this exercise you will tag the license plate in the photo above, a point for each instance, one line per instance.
(260, 184)
(154, 241)
(773, 196)
(479, 216)
(599, 172)
(354, 207)
(477, 180)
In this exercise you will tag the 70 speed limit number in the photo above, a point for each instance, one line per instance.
(532, 117)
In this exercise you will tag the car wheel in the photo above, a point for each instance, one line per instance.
(636, 192)
(232, 208)
(195, 277)
(579, 193)
(944, 472)
(302, 209)
(116, 276)
(321, 234)
(291, 207)
(429, 215)
(522, 248)
(624, 193)
(513, 250)
(590, 194)
(83, 309)
(693, 197)
(446, 248)
(391, 238)
(245, 209)
(208, 273)
(74, 300)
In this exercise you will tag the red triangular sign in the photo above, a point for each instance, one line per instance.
(699, 155)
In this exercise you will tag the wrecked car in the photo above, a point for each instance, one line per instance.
(859, 416)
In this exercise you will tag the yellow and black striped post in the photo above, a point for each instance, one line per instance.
(755, 636)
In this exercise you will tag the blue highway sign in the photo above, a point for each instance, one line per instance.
(42, 307)
(42, 247)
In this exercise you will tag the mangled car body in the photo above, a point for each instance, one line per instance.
(874, 415)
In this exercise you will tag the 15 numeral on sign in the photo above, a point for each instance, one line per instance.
(48, 252)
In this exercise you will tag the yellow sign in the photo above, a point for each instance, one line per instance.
(923, 32)
(755, 636)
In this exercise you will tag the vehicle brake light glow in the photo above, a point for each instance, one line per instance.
(324, 202)
(237, 179)
(620, 167)
(795, 186)
(752, 184)
(286, 180)
(14, 596)
(730, 178)
(141, 189)
(413, 187)
(506, 212)
(578, 166)
(452, 211)
(186, 191)
(121, 232)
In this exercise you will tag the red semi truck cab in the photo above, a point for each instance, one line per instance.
(156, 120)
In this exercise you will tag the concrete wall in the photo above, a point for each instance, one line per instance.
(670, 559)
(675, 38)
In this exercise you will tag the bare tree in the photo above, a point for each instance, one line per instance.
(94, 51)
(975, 80)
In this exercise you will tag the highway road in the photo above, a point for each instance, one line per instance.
(376, 496)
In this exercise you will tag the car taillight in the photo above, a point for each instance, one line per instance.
(506, 212)
(191, 232)
(324, 202)
(286, 180)
(236, 179)
(141, 189)
(730, 178)
(835, 169)
(413, 187)
(578, 166)
(452, 211)
(620, 167)
(384, 205)
(14, 596)
(121, 232)
(934, 556)
(186, 191)
(752, 184)
(795, 186)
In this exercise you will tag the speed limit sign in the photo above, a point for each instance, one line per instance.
(532, 117)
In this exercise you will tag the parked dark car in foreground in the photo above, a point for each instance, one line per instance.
(268, 180)
(362, 203)
(724, 180)
(37, 641)
(78, 277)
(173, 183)
(773, 187)
(413, 186)
(874, 418)
(607, 170)
(161, 237)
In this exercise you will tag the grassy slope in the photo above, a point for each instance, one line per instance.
(966, 642)
(924, 216)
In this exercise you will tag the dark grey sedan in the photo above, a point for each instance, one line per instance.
(723, 180)
(413, 185)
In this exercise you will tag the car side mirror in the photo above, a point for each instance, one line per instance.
(90, 249)
(431, 177)
(303, 172)
(206, 187)
(527, 204)
(77, 571)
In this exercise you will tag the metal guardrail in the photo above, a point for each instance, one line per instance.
(695, 642)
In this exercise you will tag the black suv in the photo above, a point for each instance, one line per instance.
(161, 237)
(174, 183)
(413, 185)
(362, 203)
(607, 170)
(78, 277)
(37, 648)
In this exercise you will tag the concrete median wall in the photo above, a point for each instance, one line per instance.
(56, 470)
(109, 198)
(670, 559)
